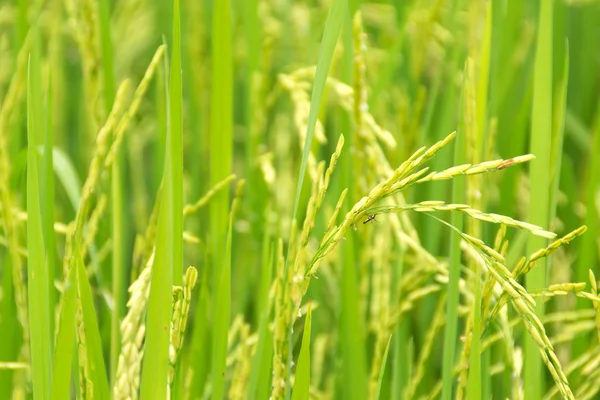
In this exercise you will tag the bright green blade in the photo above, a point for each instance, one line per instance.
(541, 140)
(221, 126)
(451, 329)
(302, 381)
(222, 306)
(37, 273)
(93, 341)
(382, 369)
(65, 341)
(168, 256)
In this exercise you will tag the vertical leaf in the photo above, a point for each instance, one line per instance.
(63, 353)
(221, 123)
(93, 341)
(37, 273)
(458, 197)
(302, 381)
(382, 369)
(117, 236)
(541, 128)
(168, 257)
(222, 305)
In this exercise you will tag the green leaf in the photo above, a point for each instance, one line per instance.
(302, 382)
(65, 341)
(333, 25)
(222, 306)
(541, 139)
(221, 125)
(382, 369)
(37, 273)
(168, 256)
(67, 176)
(458, 197)
(93, 341)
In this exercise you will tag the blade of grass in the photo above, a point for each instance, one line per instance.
(67, 176)
(558, 133)
(541, 128)
(175, 120)
(222, 305)
(451, 329)
(221, 126)
(48, 205)
(262, 354)
(169, 238)
(117, 234)
(302, 381)
(382, 369)
(92, 333)
(472, 131)
(588, 257)
(37, 283)
(333, 25)
(63, 352)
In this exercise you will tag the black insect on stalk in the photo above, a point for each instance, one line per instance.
(371, 218)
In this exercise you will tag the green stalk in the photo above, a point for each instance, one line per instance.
(221, 126)
(117, 234)
(472, 131)
(541, 128)
(168, 256)
(352, 336)
(94, 357)
(302, 381)
(333, 25)
(65, 340)
(458, 197)
(222, 310)
(37, 267)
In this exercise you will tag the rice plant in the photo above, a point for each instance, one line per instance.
(267, 199)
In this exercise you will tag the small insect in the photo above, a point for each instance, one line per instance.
(371, 218)
(506, 163)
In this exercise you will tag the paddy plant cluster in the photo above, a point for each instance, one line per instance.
(267, 199)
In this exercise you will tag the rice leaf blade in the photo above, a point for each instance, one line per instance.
(302, 381)
(541, 128)
(37, 273)
(93, 340)
(168, 256)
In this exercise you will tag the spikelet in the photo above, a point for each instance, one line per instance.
(132, 337)
(192, 208)
(135, 104)
(181, 308)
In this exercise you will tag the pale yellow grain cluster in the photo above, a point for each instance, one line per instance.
(192, 208)
(298, 92)
(243, 363)
(181, 309)
(84, 27)
(436, 323)
(524, 265)
(281, 324)
(431, 206)
(133, 330)
(524, 305)
(290, 287)
(85, 384)
(135, 104)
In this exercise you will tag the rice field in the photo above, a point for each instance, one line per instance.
(293, 199)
